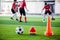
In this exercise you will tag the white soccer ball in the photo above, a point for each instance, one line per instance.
(19, 30)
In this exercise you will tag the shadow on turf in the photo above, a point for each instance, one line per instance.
(38, 35)
(9, 22)
(30, 35)
(35, 23)
(57, 37)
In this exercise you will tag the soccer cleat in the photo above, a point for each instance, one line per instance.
(17, 19)
(11, 18)
(43, 20)
(20, 21)
(53, 18)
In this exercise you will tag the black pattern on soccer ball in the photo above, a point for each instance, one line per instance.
(20, 29)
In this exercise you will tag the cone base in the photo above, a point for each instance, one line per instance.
(48, 34)
(32, 33)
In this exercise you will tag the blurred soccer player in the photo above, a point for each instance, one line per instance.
(14, 10)
(47, 11)
(22, 5)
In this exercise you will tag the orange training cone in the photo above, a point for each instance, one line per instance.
(48, 29)
(32, 31)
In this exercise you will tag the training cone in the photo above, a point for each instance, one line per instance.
(32, 30)
(48, 28)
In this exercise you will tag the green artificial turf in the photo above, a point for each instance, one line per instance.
(8, 29)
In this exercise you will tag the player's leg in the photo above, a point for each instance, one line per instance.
(12, 16)
(25, 18)
(16, 16)
(20, 10)
(13, 13)
(44, 17)
(51, 15)
(21, 18)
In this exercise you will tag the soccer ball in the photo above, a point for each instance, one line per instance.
(19, 30)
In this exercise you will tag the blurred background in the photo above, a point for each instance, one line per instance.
(34, 6)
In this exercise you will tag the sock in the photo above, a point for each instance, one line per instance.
(25, 19)
(44, 17)
(16, 16)
(51, 16)
(20, 18)
(13, 15)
